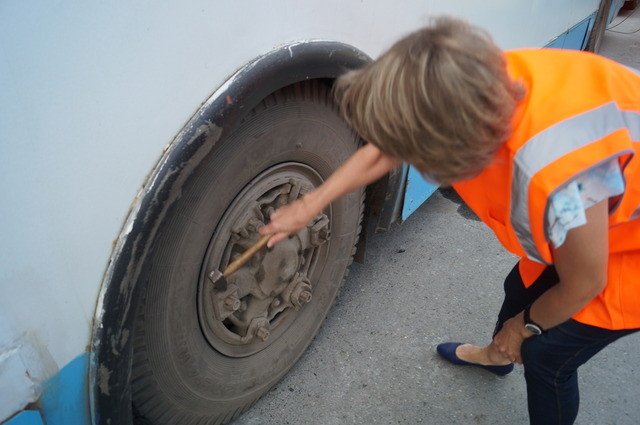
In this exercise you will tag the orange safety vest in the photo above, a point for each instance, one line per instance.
(579, 110)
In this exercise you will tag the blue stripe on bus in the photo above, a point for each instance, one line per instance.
(576, 37)
(28, 417)
(417, 191)
(65, 396)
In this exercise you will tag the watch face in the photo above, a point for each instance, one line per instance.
(533, 328)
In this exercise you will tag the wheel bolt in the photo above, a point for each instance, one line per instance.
(255, 223)
(262, 333)
(305, 297)
(232, 303)
(324, 234)
(275, 302)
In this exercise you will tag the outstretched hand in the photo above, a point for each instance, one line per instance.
(365, 166)
(288, 220)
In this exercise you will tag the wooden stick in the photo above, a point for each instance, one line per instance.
(240, 261)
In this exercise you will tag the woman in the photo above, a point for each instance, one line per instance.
(540, 144)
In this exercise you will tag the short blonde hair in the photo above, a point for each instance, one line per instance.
(439, 99)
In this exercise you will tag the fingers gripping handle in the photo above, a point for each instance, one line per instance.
(245, 256)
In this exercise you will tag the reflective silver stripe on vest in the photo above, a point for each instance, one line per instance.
(551, 144)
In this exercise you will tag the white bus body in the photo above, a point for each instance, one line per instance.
(93, 96)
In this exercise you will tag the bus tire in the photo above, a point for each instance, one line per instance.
(180, 372)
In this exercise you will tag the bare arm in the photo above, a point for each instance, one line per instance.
(365, 166)
(581, 263)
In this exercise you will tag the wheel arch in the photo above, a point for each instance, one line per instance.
(109, 370)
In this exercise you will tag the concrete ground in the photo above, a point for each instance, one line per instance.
(436, 278)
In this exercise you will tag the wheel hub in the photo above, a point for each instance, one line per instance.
(261, 299)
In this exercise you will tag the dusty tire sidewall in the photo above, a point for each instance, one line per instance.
(188, 371)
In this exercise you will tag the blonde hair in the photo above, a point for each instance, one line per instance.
(439, 99)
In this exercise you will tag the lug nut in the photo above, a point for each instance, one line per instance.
(324, 234)
(275, 303)
(232, 303)
(262, 333)
(255, 223)
(305, 297)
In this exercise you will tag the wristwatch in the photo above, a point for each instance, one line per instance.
(529, 324)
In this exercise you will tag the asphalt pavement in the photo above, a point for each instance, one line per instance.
(437, 277)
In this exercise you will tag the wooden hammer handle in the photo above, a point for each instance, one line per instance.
(245, 256)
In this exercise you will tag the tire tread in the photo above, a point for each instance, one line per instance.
(147, 393)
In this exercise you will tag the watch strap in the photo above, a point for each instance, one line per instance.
(527, 318)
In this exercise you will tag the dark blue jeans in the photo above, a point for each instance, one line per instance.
(551, 360)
